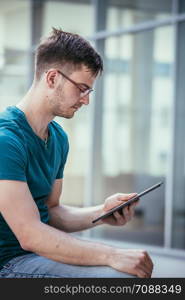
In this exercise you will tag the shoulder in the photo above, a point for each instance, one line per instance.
(59, 131)
(11, 137)
(13, 156)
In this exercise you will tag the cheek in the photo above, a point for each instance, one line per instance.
(71, 93)
(58, 92)
(65, 97)
(55, 97)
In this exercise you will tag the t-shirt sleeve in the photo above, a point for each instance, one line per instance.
(12, 158)
(60, 173)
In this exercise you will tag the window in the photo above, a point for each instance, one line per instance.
(14, 55)
(67, 15)
(133, 133)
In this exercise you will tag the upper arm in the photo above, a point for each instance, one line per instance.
(13, 157)
(18, 208)
(54, 197)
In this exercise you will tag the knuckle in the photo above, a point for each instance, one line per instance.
(119, 219)
(119, 196)
(117, 215)
(142, 256)
(137, 263)
(121, 223)
(143, 253)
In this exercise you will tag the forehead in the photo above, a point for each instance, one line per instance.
(83, 74)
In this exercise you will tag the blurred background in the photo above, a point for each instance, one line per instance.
(131, 135)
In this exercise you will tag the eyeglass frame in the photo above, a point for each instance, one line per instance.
(83, 92)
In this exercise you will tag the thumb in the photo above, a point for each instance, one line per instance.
(125, 197)
(132, 195)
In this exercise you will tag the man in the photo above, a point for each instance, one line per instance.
(35, 229)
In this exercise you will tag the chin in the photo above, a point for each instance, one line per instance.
(66, 116)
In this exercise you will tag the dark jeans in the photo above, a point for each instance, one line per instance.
(35, 266)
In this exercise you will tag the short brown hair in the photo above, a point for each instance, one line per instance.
(64, 47)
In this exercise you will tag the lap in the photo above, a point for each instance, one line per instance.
(35, 266)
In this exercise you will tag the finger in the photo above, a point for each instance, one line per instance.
(149, 261)
(142, 274)
(131, 209)
(119, 218)
(147, 269)
(126, 213)
(144, 268)
(147, 264)
(110, 219)
(125, 197)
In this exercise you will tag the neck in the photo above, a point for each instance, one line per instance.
(36, 110)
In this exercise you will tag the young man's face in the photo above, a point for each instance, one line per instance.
(67, 97)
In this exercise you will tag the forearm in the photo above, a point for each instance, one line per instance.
(60, 246)
(72, 219)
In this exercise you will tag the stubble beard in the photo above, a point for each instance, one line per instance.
(57, 102)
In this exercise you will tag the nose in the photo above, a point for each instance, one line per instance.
(85, 100)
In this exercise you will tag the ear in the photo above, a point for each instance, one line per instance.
(51, 78)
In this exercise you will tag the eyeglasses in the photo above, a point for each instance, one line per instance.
(84, 90)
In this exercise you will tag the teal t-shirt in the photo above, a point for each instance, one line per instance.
(26, 157)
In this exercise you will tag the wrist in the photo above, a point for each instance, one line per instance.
(98, 212)
(116, 256)
(108, 255)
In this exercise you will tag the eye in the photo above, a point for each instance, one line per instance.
(83, 87)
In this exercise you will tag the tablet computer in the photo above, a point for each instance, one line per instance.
(130, 201)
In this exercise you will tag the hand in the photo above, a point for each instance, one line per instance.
(117, 218)
(135, 262)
